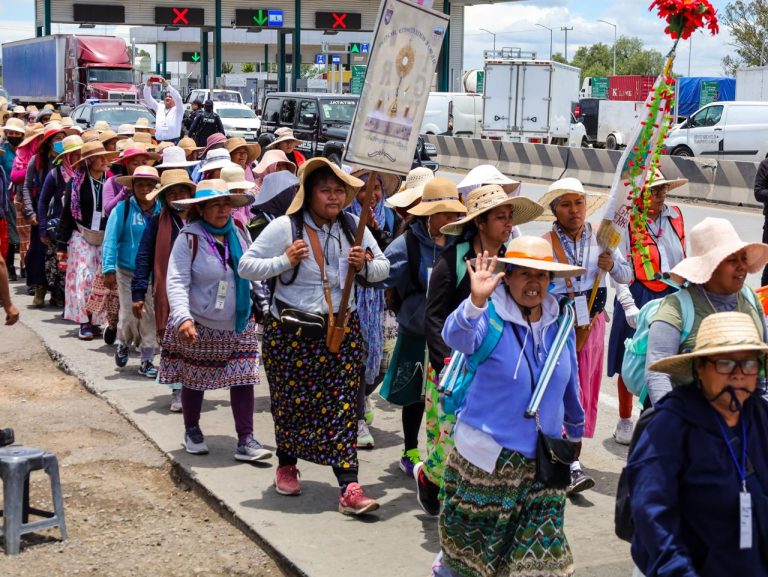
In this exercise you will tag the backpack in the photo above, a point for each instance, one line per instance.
(460, 372)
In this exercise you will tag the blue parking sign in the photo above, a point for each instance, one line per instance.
(275, 18)
(320, 59)
(336, 59)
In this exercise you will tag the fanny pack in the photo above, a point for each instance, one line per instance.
(301, 323)
(92, 237)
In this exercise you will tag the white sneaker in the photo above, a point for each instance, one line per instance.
(623, 432)
(368, 414)
(176, 401)
(364, 437)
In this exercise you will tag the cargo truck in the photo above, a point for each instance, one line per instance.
(68, 69)
(609, 123)
(528, 100)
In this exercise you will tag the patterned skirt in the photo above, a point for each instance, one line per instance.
(103, 302)
(83, 263)
(218, 359)
(23, 229)
(504, 523)
(54, 276)
(314, 393)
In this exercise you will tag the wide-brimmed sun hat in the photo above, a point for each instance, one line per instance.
(126, 130)
(32, 132)
(216, 139)
(486, 174)
(659, 180)
(272, 157)
(276, 183)
(566, 186)
(189, 145)
(175, 157)
(718, 334)
(234, 175)
(13, 125)
(352, 184)
(70, 144)
(101, 125)
(253, 149)
(216, 158)
(93, 149)
(711, 242)
(129, 153)
(18, 109)
(170, 178)
(145, 172)
(144, 138)
(390, 183)
(212, 189)
(90, 135)
(412, 188)
(440, 195)
(535, 252)
(107, 135)
(282, 134)
(142, 124)
(485, 198)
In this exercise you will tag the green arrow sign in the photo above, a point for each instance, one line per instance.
(354, 48)
(195, 57)
(261, 19)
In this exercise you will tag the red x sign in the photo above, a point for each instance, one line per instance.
(338, 20)
(180, 16)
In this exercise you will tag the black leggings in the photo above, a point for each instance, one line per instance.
(343, 476)
(412, 415)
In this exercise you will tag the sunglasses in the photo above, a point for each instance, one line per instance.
(728, 366)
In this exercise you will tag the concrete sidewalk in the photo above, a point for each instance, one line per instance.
(306, 534)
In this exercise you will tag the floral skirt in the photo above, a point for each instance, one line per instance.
(218, 359)
(83, 263)
(103, 302)
(314, 393)
(54, 276)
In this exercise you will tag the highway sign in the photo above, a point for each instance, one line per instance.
(191, 56)
(275, 18)
(179, 16)
(336, 59)
(338, 20)
(358, 77)
(320, 59)
(260, 18)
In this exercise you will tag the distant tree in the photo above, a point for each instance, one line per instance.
(557, 57)
(631, 58)
(309, 71)
(248, 67)
(748, 24)
(227, 67)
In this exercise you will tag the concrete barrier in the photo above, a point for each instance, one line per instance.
(722, 181)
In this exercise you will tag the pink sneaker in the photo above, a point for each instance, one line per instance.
(287, 480)
(354, 501)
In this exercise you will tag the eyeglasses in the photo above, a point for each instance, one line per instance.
(728, 366)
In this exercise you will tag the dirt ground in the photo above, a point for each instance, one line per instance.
(124, 513)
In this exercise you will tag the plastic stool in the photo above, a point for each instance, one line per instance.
(16, 463)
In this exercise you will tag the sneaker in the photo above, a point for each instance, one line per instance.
(194, 441)
(39, 300)
(85, 333)
(252, 451)
(353, 501)
(287, 480)
(121, 355)
(364, 437)
(623, 432)
(368, 414)
(580, 481)
(148, 369)
(176, 401)
(97, 332)
(110, 335)
(426, 492)
(409, 460)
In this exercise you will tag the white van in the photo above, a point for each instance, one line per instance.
(724, 131)
(453, 114)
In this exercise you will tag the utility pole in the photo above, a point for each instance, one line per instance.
(550, 38)
(614, 42)
(494, 37)
(566, 29)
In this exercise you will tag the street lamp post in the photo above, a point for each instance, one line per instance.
(566, 29)
(494, 37)
(550, 38)
(614, 42)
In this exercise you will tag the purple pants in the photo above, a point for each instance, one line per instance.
(241, 399)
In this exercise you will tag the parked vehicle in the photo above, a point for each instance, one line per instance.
(752, 83)
(609, 123)
(693, 92)
(114, 113)
(632, 87)
(68, 70)
(723, 130)
(527, 100)
(203, 94)
(238, 120)
(453, 114)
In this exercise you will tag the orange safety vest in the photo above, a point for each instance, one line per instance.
(647, 240)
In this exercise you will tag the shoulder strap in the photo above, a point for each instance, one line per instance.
(491, 338)
(461, 265)
(192, 243)
(413, 254)
(557, 248)
(317, 251)
(678, 225)
(687, 312)
(389, 219)
(751, 297)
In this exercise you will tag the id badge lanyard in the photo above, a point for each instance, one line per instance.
(745, 498)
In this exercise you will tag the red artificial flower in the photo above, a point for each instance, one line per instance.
(684, 17)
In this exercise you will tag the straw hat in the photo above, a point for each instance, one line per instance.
(31, 109)
(718, 334)
(712, 241)
(68, 123)
(126, 130)
(129, 153)
(55, 116)
(107, 135)
(101, 125)
(352, 184)
(169, 179)
(143, 137)
(216, 158)
(412, 188)
(253, 149)
(51, 130)
(145, 172)
(565, 186)
(659, 180)
(32, 132)
(70, 144)
(90, 135)
(535, 252)
(125, 144)
(214, 188)
(488, 197)
(174, 157)
(48, 106)
(440, 195)
(486, 174)
(275, 184)
(273, 157)
(390, 183)
(283, 134)
(189, 145)
(13, 125)
(216, 139)
(234, 175)
(161, 146)
(20, 110)
(142, 124)
(92, 150)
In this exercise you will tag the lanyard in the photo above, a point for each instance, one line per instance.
(740, 467)
(96, 186)
(572, 255)
(215, 250)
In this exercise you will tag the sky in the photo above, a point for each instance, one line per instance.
(514, 24)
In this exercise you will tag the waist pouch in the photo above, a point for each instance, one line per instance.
(553, 461)
(301, 323)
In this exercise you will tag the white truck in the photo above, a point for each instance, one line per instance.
(609, 123)
(752, 83)
(529, 100)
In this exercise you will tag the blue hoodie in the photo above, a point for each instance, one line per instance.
(123, 235)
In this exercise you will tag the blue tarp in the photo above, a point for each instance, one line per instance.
(689, 92)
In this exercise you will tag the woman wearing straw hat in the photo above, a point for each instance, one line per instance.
(413, 256)
(125, 228)
(215, 159)
(664, 237)
(244, 155)
(272, 161)
(50, 204)
(81, 233)
(13, 136)
(484, 175)
(210, 340)
(273, 199)
(25, 152)
(155, 252)
(715, 271)
(410, 192)
(698, 477)
(175, 157)
(313, 390)
(497, 517)
(237, 181)
(190, 148)
(574, 241)
(130, 159)
(287, 143)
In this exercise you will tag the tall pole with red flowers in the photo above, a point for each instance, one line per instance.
(631, 187)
